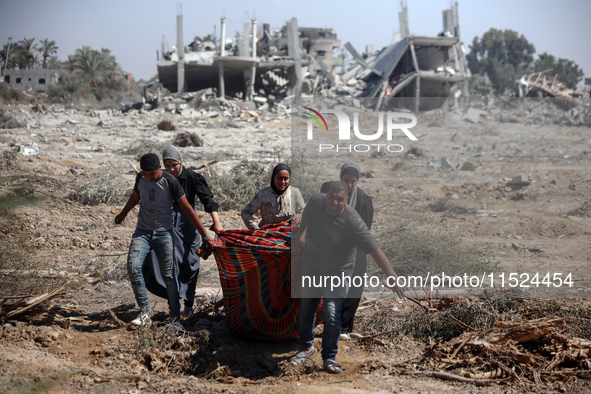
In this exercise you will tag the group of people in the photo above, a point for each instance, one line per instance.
(333, 237)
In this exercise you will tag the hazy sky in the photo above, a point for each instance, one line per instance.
(134, 29)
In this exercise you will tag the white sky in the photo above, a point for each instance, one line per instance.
(134, 29)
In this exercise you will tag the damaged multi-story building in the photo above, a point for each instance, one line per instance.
(267, 63)
(299, 61)
(424, 70)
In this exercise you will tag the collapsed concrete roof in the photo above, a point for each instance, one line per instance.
(416, 66)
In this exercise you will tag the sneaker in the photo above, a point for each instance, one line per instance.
(143, 318)
(187, 312)
(344, 337)
(354, 335)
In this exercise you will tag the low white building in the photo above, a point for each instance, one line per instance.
(37, 80)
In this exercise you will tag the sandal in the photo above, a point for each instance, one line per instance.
(301, 356)
(331, 366)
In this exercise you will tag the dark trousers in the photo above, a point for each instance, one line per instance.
(351, 303)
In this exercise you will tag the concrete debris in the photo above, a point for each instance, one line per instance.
(474, 115)
(28, 149)
(446, 164)
(580, 115)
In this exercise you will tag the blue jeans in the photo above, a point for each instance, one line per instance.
(142, 242)
(331, 313)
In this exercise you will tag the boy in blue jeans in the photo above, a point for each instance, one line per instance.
(156, 192)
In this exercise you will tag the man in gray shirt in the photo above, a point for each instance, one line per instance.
(330, 233)
(156, 192)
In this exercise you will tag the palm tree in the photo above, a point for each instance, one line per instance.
(8, 54)
(35, 61)
(47, 48)
(93, 66)
(25, 55)
(53, 63)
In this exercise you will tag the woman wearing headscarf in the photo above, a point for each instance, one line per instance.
(186, 239)
(350, 174)
(276, 203)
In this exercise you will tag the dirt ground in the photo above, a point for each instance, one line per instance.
(542, 227)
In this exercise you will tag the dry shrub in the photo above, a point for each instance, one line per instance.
(8, 94)
(187, 139)
(9, 158)
(578, 312)
(447, 206)
(20, 271)
(232, 190)
(305, 175)
(166, 125)
(475, 315)
(451, 322)
(138, 148)
(583, 210)
(463, 315)
(108, 187)
(418, 252)
(7, 121)
(445, 325)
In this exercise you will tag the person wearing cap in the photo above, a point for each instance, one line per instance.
(186, 238)
(155, 191)
(276, 203)
(361, 202)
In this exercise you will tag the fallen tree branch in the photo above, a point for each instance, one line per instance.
(456, 378)
(118, 321)
(30, 303)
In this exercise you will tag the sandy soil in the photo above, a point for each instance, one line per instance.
(81, 242)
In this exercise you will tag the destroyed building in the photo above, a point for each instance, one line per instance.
(542, 85)
(294, 61)
(320, 45)
(272, 64)
(433, 68)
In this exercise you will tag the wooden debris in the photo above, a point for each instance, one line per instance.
(206, 165)
(449, 376)
(10, 311)
(119, 322)
(532, 351)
